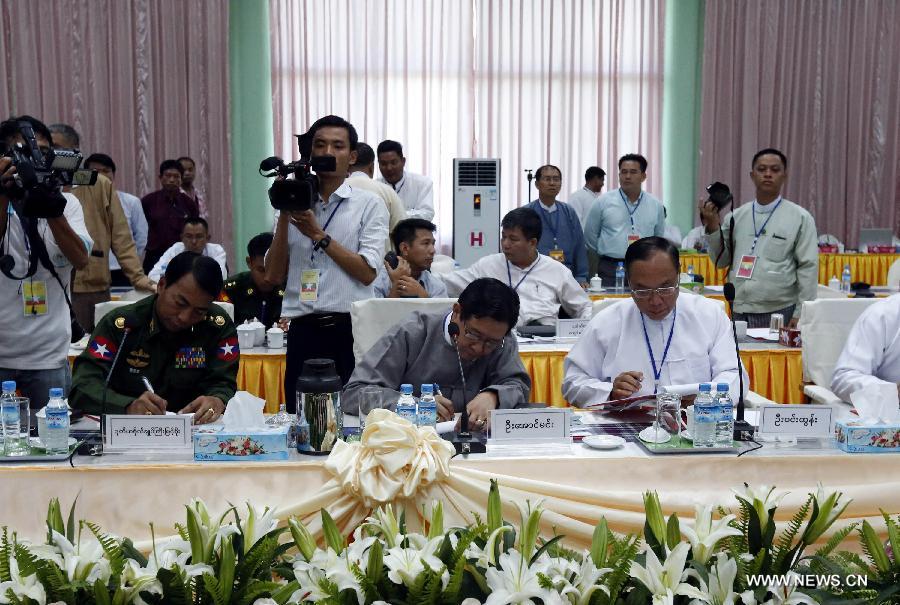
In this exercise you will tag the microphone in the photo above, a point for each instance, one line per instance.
(743, 430)
(130, 324)
(463, 441)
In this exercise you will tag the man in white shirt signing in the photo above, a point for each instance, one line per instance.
(872, 352)
(543, 285)
(414, 189)
(658, 338)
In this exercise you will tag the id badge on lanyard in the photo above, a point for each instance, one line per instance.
(309, 285)
(633, 237)
(746, 266)
(557, 254)
(34, 298)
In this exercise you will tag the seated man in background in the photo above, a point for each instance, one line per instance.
(134, 214)
(631, 347)
(697, 238)
(178, 340)
(250, 292)
(194, 238)
(412, 278)
(871, 354)
(421, 349)
(543, 285)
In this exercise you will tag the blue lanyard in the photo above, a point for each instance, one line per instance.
(658, 373)
(312, 254)
(756, 233)
(547, 215)
(628, 206)
(509, 274)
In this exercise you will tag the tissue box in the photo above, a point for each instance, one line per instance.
(790, 337)
(828, 249)
(882, 249)
(854, 437)
(215, 442)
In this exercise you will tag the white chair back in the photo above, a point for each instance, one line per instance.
(893, 276)
(371, 318)
(824, 327)
(101, 309)
(442, 264)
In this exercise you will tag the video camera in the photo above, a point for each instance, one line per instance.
(719, 194)
(298, 193)
(40, 177)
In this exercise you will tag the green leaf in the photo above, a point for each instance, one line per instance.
(261, 558)
(893, 534)
(785, 551)
(130, 552)
(478, 577)
(333, 536)
(111, 548)
(48, 573)
(285, 591)
(436, 527)
(548, 544)
(836, 540)
(5, 553)
(175, 590)
(375, 565)
(54, 520)
(873, 548)
(599, 543)
(227, 563)
(494, 509)
(70, 523)
(655, 519)
(673, 531)
(214, 589)
(302, 538)
(101, 593)
(195, 536)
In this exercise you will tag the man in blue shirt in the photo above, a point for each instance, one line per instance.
(561, 237)
(623, 216)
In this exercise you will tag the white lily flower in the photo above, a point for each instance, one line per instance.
(310, 578)
(22, 586)
(720, 590)
(762, 499)
(82, 562)
(665, 580)
(706, 533)
(786, 593)
(137, 579)
(516, 583)
(259, 522)
(405, 564)
(265, 601)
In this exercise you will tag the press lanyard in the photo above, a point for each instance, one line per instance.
(509, 274)
(312, 254)
(756, 233)
(548, 215)
(658, 373)
(628, 206)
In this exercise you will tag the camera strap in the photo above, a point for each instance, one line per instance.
(7, 263)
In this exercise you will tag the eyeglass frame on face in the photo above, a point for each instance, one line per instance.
(647, 293)
(487, 344)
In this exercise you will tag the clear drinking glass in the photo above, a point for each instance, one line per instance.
(669, 422)
(369, 399)
(17, 429)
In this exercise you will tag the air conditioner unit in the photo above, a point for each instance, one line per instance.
(476, 209)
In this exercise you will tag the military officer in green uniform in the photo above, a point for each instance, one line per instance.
(179, 351)
(249, 291)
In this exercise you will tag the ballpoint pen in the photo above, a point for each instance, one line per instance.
(147, 384)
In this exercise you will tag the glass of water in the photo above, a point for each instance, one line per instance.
(369, 399)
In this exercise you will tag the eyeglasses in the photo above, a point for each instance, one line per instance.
(487, 343)
(661, 292)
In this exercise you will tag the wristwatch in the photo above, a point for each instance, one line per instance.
(322, 243)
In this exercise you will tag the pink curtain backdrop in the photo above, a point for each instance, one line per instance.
(573, 83)
(817, 80)
(141, 81)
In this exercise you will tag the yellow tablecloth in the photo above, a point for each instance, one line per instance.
(870, 268)
(774, 373)
(263, 375)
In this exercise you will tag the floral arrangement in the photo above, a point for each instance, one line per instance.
(241, 446)
(250, 560)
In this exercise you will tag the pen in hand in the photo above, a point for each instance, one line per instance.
(147, 384)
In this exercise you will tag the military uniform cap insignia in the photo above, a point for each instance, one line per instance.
(219, 321)
(250, 291)
(120, 323)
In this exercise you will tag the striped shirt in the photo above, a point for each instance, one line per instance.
(358, 221)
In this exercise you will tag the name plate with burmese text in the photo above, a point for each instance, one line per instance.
(126, 432)
(571, 328)
(546, 424)
(803, 421)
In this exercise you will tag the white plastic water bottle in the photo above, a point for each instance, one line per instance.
(725, 423)
(706, 414)
(620, 278)
(427, 413)
(9, 414)
(56, 439)
(846, 278)
(406, 405)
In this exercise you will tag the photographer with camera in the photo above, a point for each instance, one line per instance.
(770, 246)
(106, 222)
(329, 240)
(42, 237)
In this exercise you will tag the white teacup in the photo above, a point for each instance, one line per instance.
(596, 283)
(688, 419)
(741, 329)
(246, 337)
